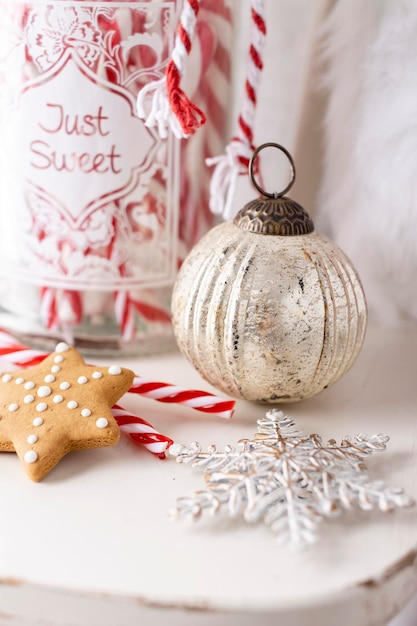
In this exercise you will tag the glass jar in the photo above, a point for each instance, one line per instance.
(96, 210)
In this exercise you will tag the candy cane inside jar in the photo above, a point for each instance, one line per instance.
(91, 229)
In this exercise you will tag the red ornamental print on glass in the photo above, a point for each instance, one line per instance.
(86, 155)
(94, 237)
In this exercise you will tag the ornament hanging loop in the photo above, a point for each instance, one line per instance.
(275, 194)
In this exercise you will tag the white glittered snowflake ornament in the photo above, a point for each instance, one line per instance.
(288, 480)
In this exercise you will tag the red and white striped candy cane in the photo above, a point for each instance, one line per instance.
(210, 62)
(170, 106)
(126, 307)
(48, 308)
(60, 310)
(141, 431)
(125, 315)
(20, 355)
(198, 400)
(235, 161)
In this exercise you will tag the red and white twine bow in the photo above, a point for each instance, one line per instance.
(140, 431)
(170, 106)
(235, 161)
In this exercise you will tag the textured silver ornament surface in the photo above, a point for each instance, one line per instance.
(268, 318)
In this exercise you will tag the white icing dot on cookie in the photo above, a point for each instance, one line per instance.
(97, 375)
(19, 380)
(31, 456)
(38, 421)
(42, 406)
(59, 358)
(114, 370)
(86, 412)
(55, 369)
(28, 399)
(32, 439)
(72, 404)
(62, 347)
(49, 378)
(58, 398)
(102, 422)
(44, 391)
(6, 378)
(29, 385)
(82, 380)
(13, 407)
(64, 385)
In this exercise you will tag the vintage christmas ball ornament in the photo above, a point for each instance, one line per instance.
(266, 308)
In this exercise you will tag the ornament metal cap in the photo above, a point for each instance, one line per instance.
(275, 214)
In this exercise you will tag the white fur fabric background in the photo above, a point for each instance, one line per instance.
(367, 200)
(339, 89)
(368, 192)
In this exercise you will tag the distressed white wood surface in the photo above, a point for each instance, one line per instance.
(92, 545)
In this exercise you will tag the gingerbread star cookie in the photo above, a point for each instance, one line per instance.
(60, 405)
